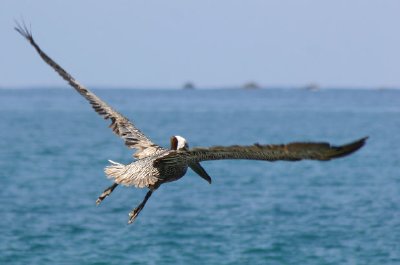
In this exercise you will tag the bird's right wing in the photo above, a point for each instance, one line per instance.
(121, 126)
(288, 152)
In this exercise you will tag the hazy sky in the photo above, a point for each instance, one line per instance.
(213, 43)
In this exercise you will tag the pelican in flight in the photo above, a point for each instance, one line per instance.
(155, 165)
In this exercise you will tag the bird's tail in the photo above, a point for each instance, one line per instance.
(128, 176)
(115, 170)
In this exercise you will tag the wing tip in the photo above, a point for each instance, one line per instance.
(23, 29)
(349, 148)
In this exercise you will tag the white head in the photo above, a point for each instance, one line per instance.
(179, 143)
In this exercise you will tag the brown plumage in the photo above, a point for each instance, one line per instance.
(156, 165)
(120, 125)
(285, 152)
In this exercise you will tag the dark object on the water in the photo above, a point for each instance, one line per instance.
(156, 165)
(251, 85)
(188, 85)
(312, 87)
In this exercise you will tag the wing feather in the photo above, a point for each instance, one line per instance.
(120, 125)
(288, 152)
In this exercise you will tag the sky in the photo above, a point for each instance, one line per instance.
(212, 43)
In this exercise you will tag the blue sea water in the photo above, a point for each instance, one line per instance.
(53, 148)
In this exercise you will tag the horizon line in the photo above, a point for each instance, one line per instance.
(311, 87)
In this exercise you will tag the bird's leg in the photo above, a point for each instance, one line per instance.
(135, 212)
(105, 193)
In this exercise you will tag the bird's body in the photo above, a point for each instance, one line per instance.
(143, 173)
(155, 165)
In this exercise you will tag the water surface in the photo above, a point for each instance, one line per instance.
(53, 149)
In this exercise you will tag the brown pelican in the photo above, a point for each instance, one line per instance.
(156, 165)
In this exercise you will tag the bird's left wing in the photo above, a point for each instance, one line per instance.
(288, 152)
(121, 126)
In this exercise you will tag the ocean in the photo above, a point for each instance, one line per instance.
(53, 148)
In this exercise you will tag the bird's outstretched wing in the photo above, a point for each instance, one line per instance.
(121, 126)
(288, 152)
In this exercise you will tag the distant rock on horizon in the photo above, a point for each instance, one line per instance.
(188, 85)
(251, 85)
(312, 87)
